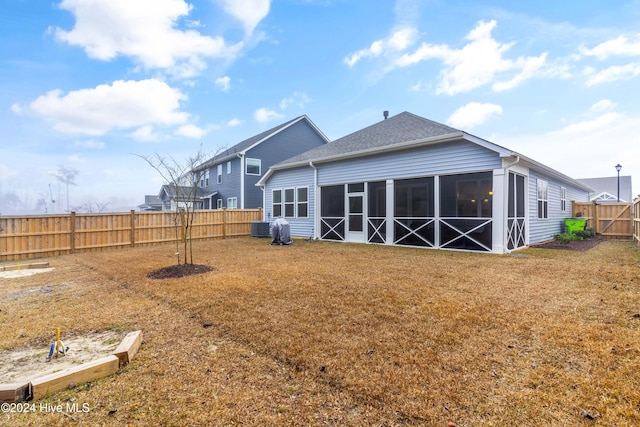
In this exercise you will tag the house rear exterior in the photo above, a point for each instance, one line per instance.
(411, 181)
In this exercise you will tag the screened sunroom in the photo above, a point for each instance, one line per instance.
(449, 211)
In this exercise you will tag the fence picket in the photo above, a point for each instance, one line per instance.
(34, 236)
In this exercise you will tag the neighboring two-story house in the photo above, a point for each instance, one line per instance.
(228, 180)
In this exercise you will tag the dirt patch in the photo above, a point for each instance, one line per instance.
(574, 245)
(28, 363)
(181, 270)
(12, 274)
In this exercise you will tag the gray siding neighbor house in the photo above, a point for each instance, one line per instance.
(410, 181)
(229, 179)
(606, 189)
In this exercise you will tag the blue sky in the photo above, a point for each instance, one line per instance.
(87, 84)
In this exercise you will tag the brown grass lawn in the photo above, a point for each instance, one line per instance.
(338, 334)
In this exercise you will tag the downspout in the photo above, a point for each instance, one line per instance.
(242, 171)
(314, 232)
(505, 202)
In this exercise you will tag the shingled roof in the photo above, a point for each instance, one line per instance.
(400, 132)
(246, 144)
(401, 128)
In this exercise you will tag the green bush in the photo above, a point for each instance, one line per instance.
(564, 237)
(585, 234)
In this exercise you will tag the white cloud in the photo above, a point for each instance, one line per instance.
(530, 67)
(264, 115)
(224, 83)
(613, 73)
(620, 46)
(473, 114)
(123, 104)
(248, 12)
(603, 105)
(142, 29)
(145, 134)
(477, 63)
(234, 122)
(601, 122)
(299, 99)
(397, 42)
(191, 131)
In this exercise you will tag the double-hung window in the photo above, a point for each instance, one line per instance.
(219, 174)
(289, 202)
(563, 199)
(276, 203)
(543, 199)
(232, 203)
(302, 202)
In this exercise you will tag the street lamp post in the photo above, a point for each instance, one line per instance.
(618, 167)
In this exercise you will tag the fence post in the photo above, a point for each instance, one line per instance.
(133, 228)
(596, 223)
(72, 234)
(224, 223)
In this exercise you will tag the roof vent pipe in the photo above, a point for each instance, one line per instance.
(385, 113)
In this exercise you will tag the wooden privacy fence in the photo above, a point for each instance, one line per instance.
(636, 221)
(23, 237)
(610, 220)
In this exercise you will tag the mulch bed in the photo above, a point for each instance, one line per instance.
(179, 270)
(574, 245)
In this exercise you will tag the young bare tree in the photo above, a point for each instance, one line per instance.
(181, 178)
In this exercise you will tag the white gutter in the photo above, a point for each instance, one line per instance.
(315, 199)
(241, 157)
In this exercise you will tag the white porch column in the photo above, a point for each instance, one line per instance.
(389, 210)
(500, 198)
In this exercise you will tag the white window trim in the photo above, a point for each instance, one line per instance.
(544, 199)
(273, 204)
(247, 161)
(219, 204)
(285, 203)
(232, 203)
(297, 202)
(563, 199)
(229, 167)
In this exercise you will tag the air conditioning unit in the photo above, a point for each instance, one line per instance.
(260, 229)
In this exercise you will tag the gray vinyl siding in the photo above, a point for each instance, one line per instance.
(300, 177)
(540, 229)
(298, 138)
(293, 140)
(230, 186)
(447, 158)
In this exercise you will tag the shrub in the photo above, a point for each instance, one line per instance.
(585, 234)
(563, 237)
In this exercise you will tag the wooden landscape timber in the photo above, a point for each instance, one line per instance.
(128, 347)
(29, 266)
(81, 374)
(90, 371)
(15, 392)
